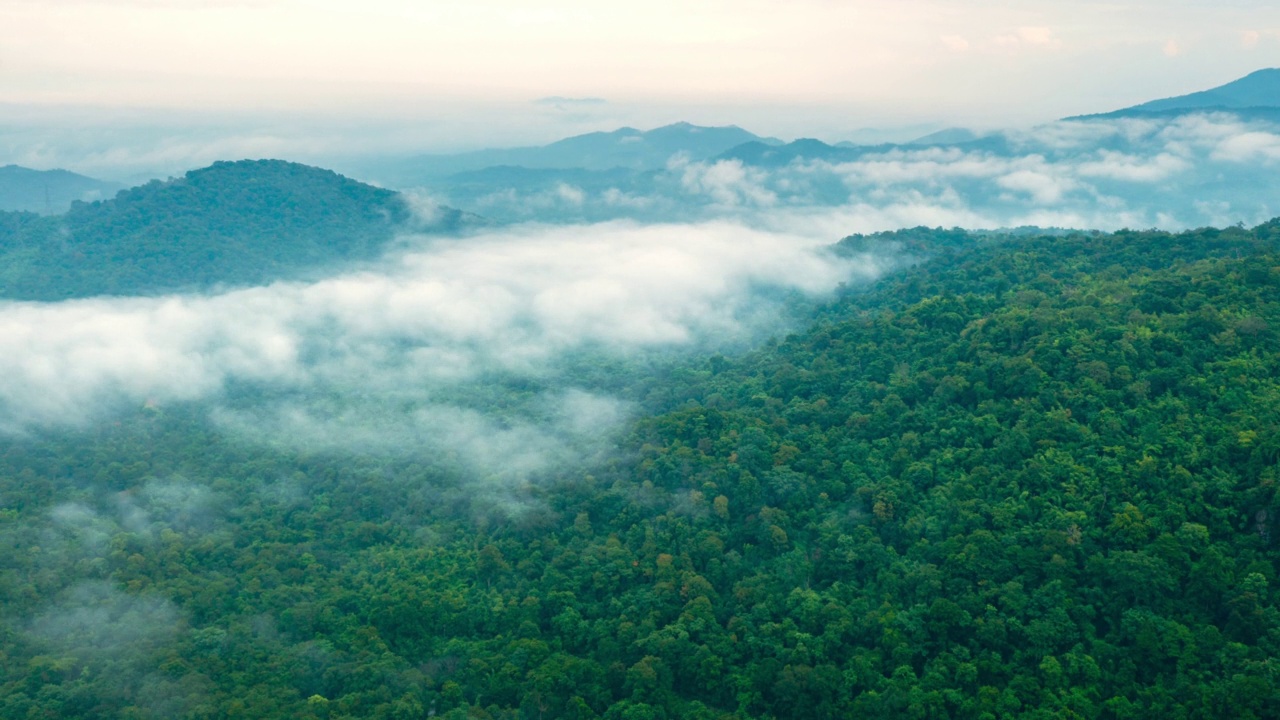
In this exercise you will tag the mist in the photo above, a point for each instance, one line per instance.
(497, 348)
(494, 347)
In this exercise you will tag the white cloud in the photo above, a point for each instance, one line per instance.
(1082, 135)
(404, 360)
(570, 194)
(1043, 188)
(918, 166)
(1132, 168)
(1249, 147)
(449, 312)
(728, 182)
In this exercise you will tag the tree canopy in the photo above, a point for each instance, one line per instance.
(230, 224)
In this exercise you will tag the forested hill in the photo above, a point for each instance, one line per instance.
(1031, 478)
(233, 223)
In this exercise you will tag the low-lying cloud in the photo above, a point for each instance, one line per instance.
(414, 354)
(488, 345)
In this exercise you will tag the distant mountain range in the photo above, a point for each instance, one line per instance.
(249, 222)
(1254, 95)
(626, 148)
(48, 191)
(948, 136)
(604, 176)
(761, 155)
(231, 224)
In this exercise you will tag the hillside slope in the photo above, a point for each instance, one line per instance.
(1256, 95)
(1257, 89)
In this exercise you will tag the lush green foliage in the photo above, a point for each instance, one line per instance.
(231, 223)
(1033, 478)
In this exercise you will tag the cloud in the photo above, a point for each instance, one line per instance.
(83, 529)
(1044, 188)
(904, 166)
(96, 619)
(96, 352)
(1249, 147)
(1085, 136)
(1132, 168)
(726, 182)
(570, 194)
(408, 356)
(499, 452)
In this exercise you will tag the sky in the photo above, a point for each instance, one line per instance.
(396, 76)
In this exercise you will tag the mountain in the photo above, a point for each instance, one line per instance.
(233, 223)
(48, 191)
(623, 148)
(766, 155)
(1257, 93)
(650, 150)
(949, 136)
(773, 156)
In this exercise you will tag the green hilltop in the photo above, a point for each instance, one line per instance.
(230, 224)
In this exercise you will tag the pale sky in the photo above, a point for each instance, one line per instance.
(436, 75)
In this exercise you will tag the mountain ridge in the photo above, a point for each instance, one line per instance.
(625, 147)
(48, 192)
(1255, 93)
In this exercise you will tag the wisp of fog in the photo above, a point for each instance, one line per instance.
(406, 355)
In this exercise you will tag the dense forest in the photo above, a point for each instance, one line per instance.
(233, 223)
(1030, 476)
